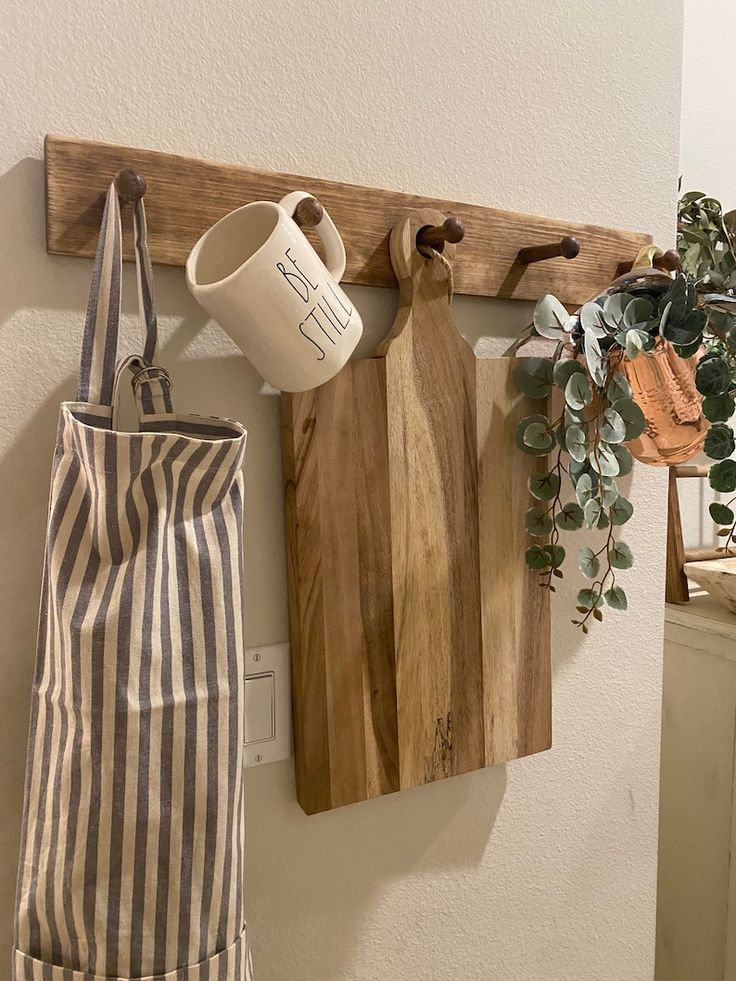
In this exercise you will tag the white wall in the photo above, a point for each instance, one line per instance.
(707, 138)
(543, 870)
(707, 163)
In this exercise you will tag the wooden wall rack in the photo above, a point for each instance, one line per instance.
(186, 196)
(420, 641)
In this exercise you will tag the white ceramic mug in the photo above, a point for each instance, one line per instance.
(258, 276)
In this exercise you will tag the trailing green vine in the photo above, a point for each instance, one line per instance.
(695, 313)
(599, 415)
(706, 239)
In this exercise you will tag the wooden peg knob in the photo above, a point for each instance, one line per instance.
(668, 262)
(568, 247)
(130, 185)
(434, 236)
(308, 213)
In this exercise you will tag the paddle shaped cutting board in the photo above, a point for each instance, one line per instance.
(420, 642)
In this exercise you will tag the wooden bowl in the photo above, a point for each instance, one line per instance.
(717, 577)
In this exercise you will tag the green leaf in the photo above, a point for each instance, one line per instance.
(639, 311)
(620, 511)
(713, 377)
(614, 307)
(688, 331)
(538, 523)
(619, 556)
(556, 555)
(604, 461)
(634, 342)
(612, 427)
(597, 367)
(574, 417)
(578, 392)
(721, 514)
(664, 317)
(616, 598)
(618, 387)
(592, 512)
(534, 377)
(718, 408)
(590, 599)
(538, 437)
(689, 196)
(550, 317)
(576, 443)
(570, 517)
(589, 562)
(584, 489)
(577, 469)
(609, 491)
(687, 350)
(537, 558)
(633, 417)
(624, 458)
(544, 486)
(677, 299)
(564, 369)
(722, 476)
(719, 441)
(591, 317)
(521, 430)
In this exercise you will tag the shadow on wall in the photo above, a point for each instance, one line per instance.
(330, 872)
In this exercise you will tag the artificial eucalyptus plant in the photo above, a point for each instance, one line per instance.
(706, 238)
(598, 416)
(694, 312)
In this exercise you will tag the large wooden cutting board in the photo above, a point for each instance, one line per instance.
(420, 642)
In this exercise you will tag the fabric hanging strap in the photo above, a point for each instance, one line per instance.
(97, 374)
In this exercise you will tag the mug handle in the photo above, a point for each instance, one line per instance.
(329, 235)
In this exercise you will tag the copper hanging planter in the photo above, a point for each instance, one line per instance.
(663, 385)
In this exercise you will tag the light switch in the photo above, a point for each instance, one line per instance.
(259, 708)
(267, 704)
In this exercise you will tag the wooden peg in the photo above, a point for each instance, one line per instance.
(130, 185)
(669, 261)
(434, 236)
(568, 248)
(308, 213)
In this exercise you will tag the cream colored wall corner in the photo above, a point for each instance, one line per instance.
(543, 870)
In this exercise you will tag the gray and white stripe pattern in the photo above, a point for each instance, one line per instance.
(131, 861)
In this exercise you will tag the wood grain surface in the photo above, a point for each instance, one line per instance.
(430, 396)
(187, 196)
(420, 643)
(517, 682)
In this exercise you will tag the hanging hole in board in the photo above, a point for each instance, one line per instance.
(434, 236)
(130, 185)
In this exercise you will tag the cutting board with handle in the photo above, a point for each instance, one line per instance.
(420, 641)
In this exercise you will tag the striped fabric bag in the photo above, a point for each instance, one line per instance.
(131, 859)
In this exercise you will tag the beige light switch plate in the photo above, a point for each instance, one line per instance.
(268, 731)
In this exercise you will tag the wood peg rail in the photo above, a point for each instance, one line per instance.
(568, 247)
